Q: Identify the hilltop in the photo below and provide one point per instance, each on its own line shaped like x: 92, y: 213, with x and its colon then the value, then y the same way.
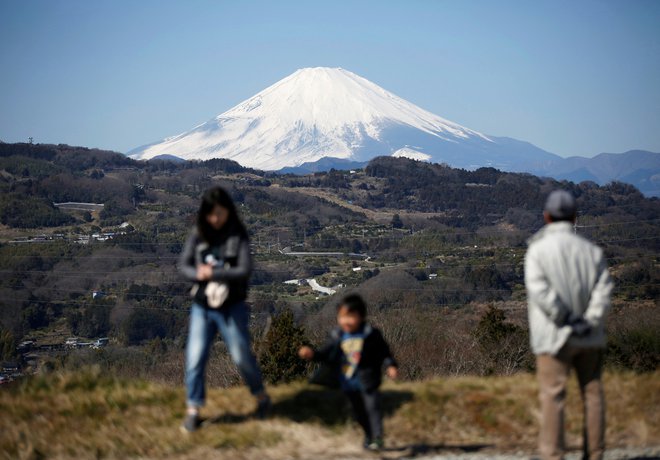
x: 88, y: 414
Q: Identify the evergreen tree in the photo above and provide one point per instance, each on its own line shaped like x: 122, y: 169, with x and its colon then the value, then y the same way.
x: 505, y: 345
x: 278, y: 358
x: 7, y: 350
x: 396, y: 221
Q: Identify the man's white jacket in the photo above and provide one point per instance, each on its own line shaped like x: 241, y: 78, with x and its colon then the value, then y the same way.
x: 566, y: 278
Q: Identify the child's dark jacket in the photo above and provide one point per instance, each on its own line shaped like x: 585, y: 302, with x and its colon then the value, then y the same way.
x: 375, y: 354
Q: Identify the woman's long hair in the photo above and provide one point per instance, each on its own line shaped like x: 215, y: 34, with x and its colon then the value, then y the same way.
x: 212, y: 197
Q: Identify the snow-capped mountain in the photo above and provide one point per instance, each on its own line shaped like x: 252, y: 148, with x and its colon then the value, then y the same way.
x: 321, y: 112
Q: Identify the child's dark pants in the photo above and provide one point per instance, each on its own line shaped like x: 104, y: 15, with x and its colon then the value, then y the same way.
x: 366, y: 407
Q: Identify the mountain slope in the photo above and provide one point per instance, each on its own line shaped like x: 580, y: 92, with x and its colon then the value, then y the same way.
x: 324, y: 112
x: 319, y: 118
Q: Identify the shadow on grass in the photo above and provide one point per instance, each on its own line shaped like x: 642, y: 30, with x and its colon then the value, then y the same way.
x: 331, y: 407
x: 227, y: 418
x: 416, y: 450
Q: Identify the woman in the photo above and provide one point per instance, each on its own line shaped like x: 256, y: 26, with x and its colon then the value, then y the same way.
x: 216, y: 258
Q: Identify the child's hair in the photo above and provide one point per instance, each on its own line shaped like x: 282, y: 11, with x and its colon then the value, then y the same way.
x: 212, y: 197
x: 354, y: 303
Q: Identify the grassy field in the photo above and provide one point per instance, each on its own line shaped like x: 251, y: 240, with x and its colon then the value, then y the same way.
x: 89, y: 415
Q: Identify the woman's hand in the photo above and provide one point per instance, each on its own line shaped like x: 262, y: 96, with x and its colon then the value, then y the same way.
x: 204, y: 272
x: 392, y: 372
x: 306, y: 353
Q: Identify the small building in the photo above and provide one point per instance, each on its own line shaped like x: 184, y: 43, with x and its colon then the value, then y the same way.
x: 100, y: 343
x: 25, y: 346
x: 9, y: 367
x: 295, y: 282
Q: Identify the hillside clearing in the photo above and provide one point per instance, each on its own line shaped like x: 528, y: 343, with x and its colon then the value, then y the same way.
x: 88, y: 415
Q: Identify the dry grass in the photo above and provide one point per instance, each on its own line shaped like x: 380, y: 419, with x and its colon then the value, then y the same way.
x: 88, y: 415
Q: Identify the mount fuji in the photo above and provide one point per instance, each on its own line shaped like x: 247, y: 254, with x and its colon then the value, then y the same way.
x: 321, y: 118
x: 321, y: 113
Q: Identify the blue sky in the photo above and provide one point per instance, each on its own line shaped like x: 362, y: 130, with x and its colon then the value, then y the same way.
x: 574, y: 78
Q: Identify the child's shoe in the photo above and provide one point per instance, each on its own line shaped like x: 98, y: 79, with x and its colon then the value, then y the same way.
x: 264, y: 405
x: 375, y: 445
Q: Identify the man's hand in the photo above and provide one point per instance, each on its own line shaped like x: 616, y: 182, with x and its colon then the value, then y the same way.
x: 204, y: 272
x: 392, y: 372
x: 306, y: 353
x: 581, y: 327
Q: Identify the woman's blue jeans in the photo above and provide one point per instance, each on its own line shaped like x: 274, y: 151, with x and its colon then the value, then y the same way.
x: 232, y: 322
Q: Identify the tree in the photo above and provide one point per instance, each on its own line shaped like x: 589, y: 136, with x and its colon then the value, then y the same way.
x: 396, y: 221
x: 492, y: 328
x: 7, y: 350
x: 35, y: 316
x: 279, y: 350
x: 505, y: 345
x: 149, y: 322
x: 93, y: 319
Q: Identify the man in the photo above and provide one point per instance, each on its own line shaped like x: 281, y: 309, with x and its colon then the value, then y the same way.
x: 568, y: 292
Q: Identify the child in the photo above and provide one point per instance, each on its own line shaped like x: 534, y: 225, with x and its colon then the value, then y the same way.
x: 216, y: 259
x: 353, y: 358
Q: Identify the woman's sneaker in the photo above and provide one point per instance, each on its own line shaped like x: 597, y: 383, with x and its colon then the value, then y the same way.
x: 190, y: 423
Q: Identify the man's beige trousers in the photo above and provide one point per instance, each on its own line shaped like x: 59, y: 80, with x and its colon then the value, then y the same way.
x: 552, y: 373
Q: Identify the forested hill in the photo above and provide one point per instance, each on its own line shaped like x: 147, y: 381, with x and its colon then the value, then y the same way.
x: 33, y: 177
x: 475, y: 198
x: 464, y: 198
x: 83, y: 158
x: 421, y: 195
x: 75, y: 158
x: 446, y: 243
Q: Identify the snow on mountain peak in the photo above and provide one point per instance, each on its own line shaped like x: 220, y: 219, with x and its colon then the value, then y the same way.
x: 313, y: 113
x: 411, y: 154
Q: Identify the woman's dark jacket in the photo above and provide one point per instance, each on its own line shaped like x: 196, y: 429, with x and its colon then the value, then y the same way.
x: 232, y: 249
x: 375, y: 354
